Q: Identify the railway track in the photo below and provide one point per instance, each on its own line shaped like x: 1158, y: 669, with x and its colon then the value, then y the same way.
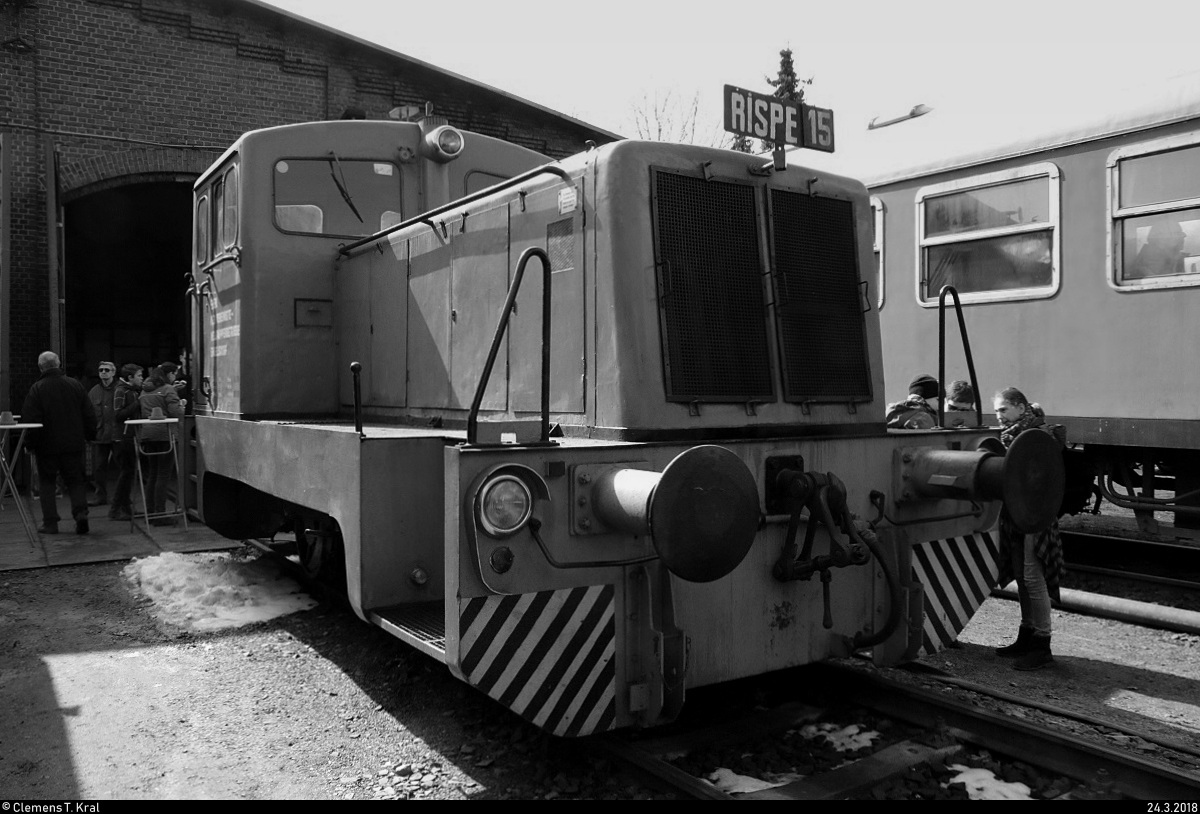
x: 937, y: 733
x: 1163, y: 563
x: 933, y: 737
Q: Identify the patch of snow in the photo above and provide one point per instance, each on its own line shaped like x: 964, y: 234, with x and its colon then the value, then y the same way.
x: 214, y: 591
x: 843, y: 739
x: 982, y: 784
x: 731, y: 782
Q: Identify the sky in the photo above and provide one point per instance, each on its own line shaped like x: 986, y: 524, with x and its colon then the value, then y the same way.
x: 867, y: 59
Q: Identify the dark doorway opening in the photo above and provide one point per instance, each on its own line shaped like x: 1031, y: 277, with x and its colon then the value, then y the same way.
x: 127, y: 251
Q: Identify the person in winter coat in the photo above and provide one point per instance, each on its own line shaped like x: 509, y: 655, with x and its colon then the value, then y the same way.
x: 915, y: 412
x: 159, y: 391
x: 102, y: 397
x: 127, y: 402
x: 1034, y: 560
x: 61, y: 405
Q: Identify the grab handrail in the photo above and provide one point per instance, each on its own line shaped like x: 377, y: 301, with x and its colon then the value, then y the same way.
x: 962, y: 332
x: 427, y: 217
x: 473, y: 418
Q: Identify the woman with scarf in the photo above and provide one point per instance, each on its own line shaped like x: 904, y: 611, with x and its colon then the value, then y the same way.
x: 159, y: 391
x: 1034, y: 560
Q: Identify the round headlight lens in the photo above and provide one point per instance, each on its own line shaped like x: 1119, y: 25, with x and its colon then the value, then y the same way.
x: 450, y: 141
x: 505, y: 504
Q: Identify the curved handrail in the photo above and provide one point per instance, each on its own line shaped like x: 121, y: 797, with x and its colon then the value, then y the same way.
x: 473, y: 418
x: 962, y: 332
x: 427, y: 217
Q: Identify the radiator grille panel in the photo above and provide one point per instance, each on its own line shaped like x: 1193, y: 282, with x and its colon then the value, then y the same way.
x: 560, y: 244
x: 711, y: 301
x: 822, y: 334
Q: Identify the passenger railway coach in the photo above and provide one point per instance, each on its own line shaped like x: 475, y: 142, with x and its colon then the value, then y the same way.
x: 1076, y: 255
x: 592, y: 432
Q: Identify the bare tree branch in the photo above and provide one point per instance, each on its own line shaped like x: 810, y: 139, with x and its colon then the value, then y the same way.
x: 664, y: 115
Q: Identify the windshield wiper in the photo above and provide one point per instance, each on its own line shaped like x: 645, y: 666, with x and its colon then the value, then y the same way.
x: 341, y: 185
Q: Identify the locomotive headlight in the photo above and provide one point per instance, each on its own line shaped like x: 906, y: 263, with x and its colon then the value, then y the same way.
x: 505, y: 504
x: 444, y: 143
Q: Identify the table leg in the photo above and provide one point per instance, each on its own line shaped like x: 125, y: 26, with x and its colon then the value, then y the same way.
x: 9, y: 484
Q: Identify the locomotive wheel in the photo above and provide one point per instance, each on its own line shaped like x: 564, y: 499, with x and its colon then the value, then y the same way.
x: 319, y: 547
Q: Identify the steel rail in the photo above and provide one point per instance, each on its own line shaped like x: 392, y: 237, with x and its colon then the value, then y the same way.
x: 1138, y: 576
x: 1132, y: 776
x: 954, y: 723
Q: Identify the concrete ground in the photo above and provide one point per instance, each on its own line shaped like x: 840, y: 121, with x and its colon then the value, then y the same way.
x: 107, y: 540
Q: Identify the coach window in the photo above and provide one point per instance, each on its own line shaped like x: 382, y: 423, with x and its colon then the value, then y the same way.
x: 994, y: 237
x: 877, y: 241
x: 1154, y: 206
x: 336, y: 196
x: 201, y: 236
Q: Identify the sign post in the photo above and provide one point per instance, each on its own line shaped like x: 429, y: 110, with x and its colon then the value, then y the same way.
x: 780, y: 121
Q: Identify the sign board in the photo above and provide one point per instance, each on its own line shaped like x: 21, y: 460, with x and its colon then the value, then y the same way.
x: 758, y: 115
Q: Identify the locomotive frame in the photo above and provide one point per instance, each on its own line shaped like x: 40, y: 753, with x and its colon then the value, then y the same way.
x: 659, y: 464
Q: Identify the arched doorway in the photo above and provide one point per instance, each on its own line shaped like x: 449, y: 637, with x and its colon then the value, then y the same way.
x: 126, y: 253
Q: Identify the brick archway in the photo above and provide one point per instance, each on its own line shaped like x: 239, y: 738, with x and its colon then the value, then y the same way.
x: 132, y: 166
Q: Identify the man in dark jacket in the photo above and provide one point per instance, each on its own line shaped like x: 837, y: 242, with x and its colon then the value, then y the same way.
x: 103, y: 398
x: 62, y: 407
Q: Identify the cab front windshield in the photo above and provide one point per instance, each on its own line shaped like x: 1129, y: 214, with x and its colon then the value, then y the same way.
x: 336, y: 196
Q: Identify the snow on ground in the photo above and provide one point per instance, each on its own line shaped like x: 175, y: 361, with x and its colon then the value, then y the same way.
x: 842, y: 739
x: 982, y: 784
x: 214, y: 591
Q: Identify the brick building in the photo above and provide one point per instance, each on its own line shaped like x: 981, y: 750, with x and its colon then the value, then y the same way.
x: 109, y: 110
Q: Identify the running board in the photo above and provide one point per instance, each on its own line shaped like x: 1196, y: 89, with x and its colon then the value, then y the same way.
x: 422, y: 625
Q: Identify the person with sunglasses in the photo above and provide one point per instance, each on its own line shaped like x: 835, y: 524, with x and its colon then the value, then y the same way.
x: 103, y: 398
x: 960, y: 401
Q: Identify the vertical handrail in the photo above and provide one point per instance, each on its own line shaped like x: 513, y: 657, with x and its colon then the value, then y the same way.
x: 962, y: 332
x: 356, y: 373
x: 501, y: 327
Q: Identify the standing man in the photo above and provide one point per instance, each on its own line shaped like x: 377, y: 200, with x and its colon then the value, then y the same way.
x: 62, y: 407
x: 103, y: 397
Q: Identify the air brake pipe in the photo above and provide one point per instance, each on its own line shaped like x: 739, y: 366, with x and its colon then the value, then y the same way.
x: 1146, y: 614
x: 1148, y: 504
x: 872, y: 542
